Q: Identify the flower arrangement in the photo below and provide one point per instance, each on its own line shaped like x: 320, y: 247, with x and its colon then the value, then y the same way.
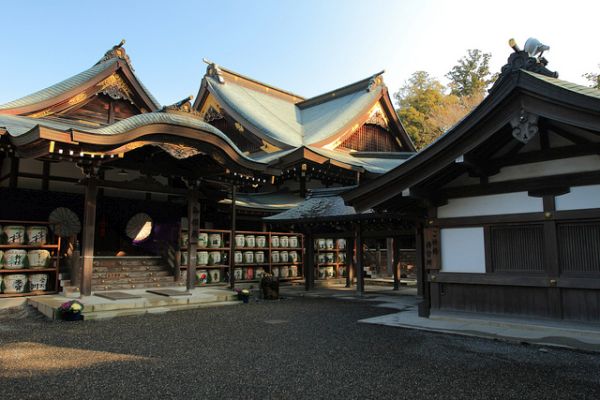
x: 71, y: 311
x: 243, y: 294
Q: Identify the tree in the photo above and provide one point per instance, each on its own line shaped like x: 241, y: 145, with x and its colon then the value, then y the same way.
x: 419, y: 99
x: 471, y: 76
x: 593, y: 79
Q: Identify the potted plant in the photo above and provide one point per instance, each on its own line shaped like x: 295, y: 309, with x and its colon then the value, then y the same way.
x: 243, y: 295
x: 71, y: 311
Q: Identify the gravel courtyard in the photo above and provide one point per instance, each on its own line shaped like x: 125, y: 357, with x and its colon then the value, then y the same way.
x: 298, y: 348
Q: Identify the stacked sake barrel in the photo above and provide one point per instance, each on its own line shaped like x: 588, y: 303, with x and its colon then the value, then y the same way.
x: 26, y: 263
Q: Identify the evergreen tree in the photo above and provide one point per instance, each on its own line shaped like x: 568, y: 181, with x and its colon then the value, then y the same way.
x: 471, y: 76
x: 593, y: 78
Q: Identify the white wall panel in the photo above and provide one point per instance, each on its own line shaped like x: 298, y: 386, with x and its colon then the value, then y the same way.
x: 506, y: 203
x: 463, y: 250
x: 580, y: 198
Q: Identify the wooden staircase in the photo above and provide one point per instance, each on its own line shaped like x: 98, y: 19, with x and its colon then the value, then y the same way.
x: 118, y: 273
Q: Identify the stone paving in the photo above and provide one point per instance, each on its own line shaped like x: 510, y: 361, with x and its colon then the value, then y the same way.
x: 296, y: 348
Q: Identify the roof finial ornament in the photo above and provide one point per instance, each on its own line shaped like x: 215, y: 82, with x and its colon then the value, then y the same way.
x: 528, y: 59
x: 117, y: 51
x: 182, y: 106
x: 214, y: 70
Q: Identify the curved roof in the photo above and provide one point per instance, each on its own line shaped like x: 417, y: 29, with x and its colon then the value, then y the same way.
x: 60, y: 87
x: 288, y: 120
x: 91, y: 76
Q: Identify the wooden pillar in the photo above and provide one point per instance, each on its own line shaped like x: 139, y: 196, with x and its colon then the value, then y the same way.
x: 350, y: 264
x: 360, y: 272
x: 551, y: 256
x: 193, y: 227
x: 309, y: 261
x: 422, y: 284
x: 396, y: 262
x: 232, y: 237
x: 46, y: 175
x: 14, y: 172
x: 88, y: 234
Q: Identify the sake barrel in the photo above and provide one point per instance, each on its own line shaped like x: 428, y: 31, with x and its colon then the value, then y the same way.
x: 184, y: 258
x: 15, y: 283
x: 38, y: 258
x: 260, y: 272
x: 330, y: 257
x: 248, y: 273
x: 342, y: 271
x: 238, y: 257
x: 329, y: 244
x: 202, y: 257
x: 238, y: 274
x: 321, y: 258
x: 274, y: 241
x: 185, y: 239
x: 202, y: 276
x: 293, y: 256
x: 275, y: 256
x: 322, y: 244
x: 342, y: 257
x: 341, y: 244
x: 283, y: 256
x: 293, y: 271
x: 38, y: 282
x: 322, y: 272
x: 284, y: 272
x: 37, y: 234
x: 250, y: 241
x: 1, y: 261
x: 214, y: 240
x: 214, y: 257
x: 214, y: 276
x: 261, y: 241
x: 1, y: 280
x: 240, y: 241
x: 15, y: 234
x: 294, y: 241
x: 15, y: 258
x: 203, y: 240
x: 284, y: 241
x: 259, y: 257
x: 248, y: 257
x: 330, y: 272
x: 275, y: 272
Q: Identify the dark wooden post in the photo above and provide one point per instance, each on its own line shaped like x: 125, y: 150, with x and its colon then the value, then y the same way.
x: 309, y: 261
x: 350, y: 265
x: 88, y: 234
x: 422, y: 284
x: 14, y: 172
x: 232, y: 238
x: 396, y: 262
x: 193, y: 227
x: 360, y: 272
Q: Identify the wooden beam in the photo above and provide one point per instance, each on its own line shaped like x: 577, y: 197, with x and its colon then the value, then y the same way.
x: 576, y: 139
x: 88, y: 235
x: 360, y: 272
x: 422, y: 281
x: 395, y: 248
x: 46, y: 175
x: 350, y: 264
x: 193, y: 227
x: 232, y: 237
x: 14, y: 172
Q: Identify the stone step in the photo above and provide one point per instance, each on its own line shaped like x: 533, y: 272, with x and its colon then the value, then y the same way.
x: 130, y: 274
x: 138, y: 285
x: 154, y: 310
x: 139, y: 279
x: 126, y: 261
x: 130, y: 268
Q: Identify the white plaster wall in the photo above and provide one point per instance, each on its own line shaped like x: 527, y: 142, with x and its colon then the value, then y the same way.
x: 548, y: 168
x: 463, y: 250
x: 506, y: 203
x: 580, y: 198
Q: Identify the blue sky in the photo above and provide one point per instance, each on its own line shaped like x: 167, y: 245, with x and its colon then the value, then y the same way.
x: 307, y: 47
